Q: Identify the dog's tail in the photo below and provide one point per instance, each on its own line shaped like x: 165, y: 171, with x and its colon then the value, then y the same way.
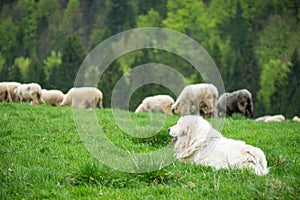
x: 257, y: 161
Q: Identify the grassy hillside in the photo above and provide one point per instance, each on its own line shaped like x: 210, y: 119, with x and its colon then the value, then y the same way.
x: 42, y: 157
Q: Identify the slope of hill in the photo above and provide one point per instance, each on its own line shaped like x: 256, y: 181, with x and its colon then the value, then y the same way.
x: 43, y: 157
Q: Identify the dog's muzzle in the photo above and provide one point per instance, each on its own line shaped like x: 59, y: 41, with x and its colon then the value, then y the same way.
x: 174, y: 138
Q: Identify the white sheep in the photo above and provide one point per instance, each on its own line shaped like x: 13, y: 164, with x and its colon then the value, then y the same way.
x: 195, y: 98
x: 4, y: 93
x: 296, y: 119
x: 239, y: 101
x: 157, y: 103
x: 31, y: 92
x: 271, y: 118
x: 83, y: 97
x: 52, y: 97
x: 12, y: 88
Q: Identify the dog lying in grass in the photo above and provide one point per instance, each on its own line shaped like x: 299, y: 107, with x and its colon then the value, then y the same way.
x: 196, y: 141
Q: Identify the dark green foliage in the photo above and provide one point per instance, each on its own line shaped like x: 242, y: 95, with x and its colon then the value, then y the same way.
x: 29, y: 27
x: 293, y: 89
x: 72, y: 57
x: 108, y: 80
x: 246, y: 69
x: 238, y: 30
x: 9, y: 40
x: 36, y: 72
x: 286, y: 98
x: 121, y: 16
x: 14, y: 74
x: 4, y: 73
x: 159, y: 6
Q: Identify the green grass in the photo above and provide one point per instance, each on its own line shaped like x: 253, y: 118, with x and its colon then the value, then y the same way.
x: 43, y: 157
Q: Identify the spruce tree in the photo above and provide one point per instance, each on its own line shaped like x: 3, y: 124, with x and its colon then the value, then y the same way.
x: 72, y: 57
x: 36, y: 71
x: 15, y: 74
x: 293, y: 91
x: 121, y: 16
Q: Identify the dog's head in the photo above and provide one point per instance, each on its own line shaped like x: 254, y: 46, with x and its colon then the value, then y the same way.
x: 189, y: 134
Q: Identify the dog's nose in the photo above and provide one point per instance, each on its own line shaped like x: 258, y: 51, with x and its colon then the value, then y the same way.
x: 169, y: 130
x: 173, y: 111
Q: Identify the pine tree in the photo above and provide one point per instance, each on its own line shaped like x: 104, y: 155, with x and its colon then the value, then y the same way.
x: 238, y: 30
x: 121, y: 16
x: 293, y: 91
x: 246, y: 71
x: 8, y: 40
x: 4, y: 73
x: 15, y: 74
x: 72, y: 57
x: 108, y: 81
x: 285, y: 99
x: 35, y: 71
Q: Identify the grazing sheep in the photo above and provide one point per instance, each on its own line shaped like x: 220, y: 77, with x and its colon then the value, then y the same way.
x: 31, y: 92
x: 296, y: 119
x: 269, y: 118
x: 239, y: 101
x: 52, y: 97
x: 12, y: 88
x: 83, y: 97
x: 158, y: 103
x: 196, y: 98
x: 4, y: 93
x: 263, y: 118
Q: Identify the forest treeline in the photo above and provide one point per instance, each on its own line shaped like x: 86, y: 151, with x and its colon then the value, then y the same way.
x: 255, y: 44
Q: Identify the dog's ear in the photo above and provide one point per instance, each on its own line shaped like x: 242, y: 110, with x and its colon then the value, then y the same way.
x: 189, y: 151
x: 186, y: 130
x: 191, y: 144
x: 196, y: 139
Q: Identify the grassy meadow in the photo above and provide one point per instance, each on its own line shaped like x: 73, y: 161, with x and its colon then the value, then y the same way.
x: 43, y: 157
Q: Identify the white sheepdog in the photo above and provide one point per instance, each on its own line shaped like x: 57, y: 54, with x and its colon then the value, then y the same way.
x: 196, y: 141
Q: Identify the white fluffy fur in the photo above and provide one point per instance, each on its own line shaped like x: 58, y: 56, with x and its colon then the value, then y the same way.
x: 195, y: 98
x: 196, y: 141
x: 296, y: 119
x: 31, y: 92
x: 12, y: 90
x: 83, y: 97
x: 4, y: 93
x: 269, y: 118
x: 157, y: 103
x: 53, y: 97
